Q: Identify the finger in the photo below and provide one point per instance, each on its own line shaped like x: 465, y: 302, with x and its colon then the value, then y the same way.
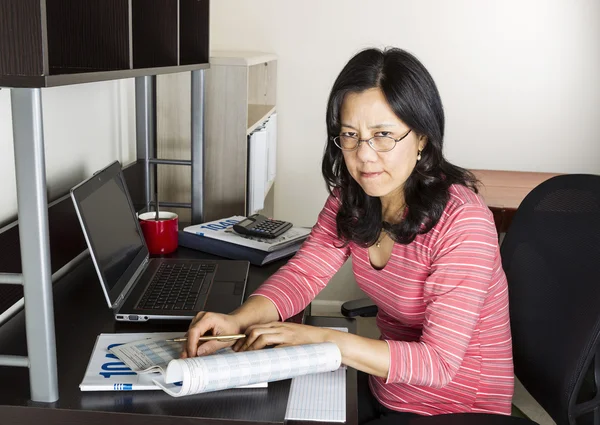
x: 266, y: 339
x: 210, y: 347
x: 255, y: 334
x: 205, y: 323
x: 238, y: 344
x: 195, y: 320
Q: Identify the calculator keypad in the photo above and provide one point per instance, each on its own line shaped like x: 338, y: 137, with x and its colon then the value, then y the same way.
x: 269, y: 226
x: 262, y: 226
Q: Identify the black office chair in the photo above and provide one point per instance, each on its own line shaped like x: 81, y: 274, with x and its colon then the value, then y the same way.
x: 551, y: 256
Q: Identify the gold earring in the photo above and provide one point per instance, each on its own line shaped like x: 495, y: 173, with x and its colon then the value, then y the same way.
x: 419, y: 155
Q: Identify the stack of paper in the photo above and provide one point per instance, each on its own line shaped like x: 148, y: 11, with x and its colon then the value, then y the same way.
x: 217, y: 237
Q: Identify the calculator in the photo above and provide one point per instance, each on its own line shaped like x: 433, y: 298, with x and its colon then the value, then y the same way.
x: 261, y: 226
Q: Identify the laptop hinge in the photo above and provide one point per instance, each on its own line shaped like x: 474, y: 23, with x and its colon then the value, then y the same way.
x: 131, y: 282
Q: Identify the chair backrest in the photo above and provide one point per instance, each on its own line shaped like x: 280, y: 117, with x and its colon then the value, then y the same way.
x: 551, y: 256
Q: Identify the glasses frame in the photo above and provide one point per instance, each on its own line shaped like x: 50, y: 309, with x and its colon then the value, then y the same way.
x: 336, y: 140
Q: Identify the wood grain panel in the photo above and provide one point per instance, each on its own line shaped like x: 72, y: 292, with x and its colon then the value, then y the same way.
x: 87, y: 35
x: 173, y: 112
x: 506, y: 189
x: 155, y: 33
x: 194, y: 31
x: 262, y: 83
x: 20, y: 38
x: 226, y: 142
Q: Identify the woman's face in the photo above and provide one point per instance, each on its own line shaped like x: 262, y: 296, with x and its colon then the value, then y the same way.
x: 382, y: 174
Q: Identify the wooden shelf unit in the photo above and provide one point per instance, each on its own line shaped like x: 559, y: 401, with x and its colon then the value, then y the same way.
x: 258, y: 114
x: 240, y: 96
x: 46, y: 43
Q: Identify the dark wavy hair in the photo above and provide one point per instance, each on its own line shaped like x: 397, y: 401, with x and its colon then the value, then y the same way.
x: 413, y: 96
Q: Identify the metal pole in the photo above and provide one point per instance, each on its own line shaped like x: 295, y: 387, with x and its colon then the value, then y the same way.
x: 11, y: 278
x: 171, y: 162
x: 18, y: 306
x: 197, y: 142
x: 16, y: 361
x: 145, y: 125
x: 32, y: 205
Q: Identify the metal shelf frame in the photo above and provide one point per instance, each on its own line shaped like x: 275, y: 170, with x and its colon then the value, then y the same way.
x: 32, y: 205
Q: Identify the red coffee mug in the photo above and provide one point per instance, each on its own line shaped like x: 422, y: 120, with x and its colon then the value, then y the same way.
x: 161, y: 234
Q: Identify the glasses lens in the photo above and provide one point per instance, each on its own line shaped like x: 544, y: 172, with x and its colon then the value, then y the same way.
x: 383, y: 143
x: 346, y: 142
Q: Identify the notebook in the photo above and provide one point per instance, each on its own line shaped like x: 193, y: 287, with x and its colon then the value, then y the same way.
x: 137, y: 287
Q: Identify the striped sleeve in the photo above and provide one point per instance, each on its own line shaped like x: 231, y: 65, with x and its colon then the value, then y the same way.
x: 298, y: 282
x: 462, y: 260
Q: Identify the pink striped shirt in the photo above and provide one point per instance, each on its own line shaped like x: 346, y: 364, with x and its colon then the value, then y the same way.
x: 443, y: 308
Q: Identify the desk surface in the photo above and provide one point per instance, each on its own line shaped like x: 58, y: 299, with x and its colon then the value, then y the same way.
x: 506, y: 189
x: 81, y: 314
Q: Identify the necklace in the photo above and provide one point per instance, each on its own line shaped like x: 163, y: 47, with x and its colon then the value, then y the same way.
x: 384, y: 232
x: 378, y: 243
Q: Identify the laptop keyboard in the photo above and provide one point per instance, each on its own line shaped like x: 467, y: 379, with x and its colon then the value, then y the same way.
x: 176, y: 286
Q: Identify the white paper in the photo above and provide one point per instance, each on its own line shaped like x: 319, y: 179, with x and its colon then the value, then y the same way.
x: 318, y: 397
x: 257, y: 170
x: 271, y: 127
x: 222, y: 229
x: 148, y: 355
x: 105, y: 372
x: 219, y: 372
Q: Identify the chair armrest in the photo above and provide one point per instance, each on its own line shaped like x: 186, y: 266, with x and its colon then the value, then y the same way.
x: 363, y: 307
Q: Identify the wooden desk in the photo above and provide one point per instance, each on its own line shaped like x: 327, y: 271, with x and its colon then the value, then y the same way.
x: 81, y: 314
x: 503, y: 191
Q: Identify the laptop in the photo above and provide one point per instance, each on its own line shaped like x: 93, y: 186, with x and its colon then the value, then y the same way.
x: 137, y: 287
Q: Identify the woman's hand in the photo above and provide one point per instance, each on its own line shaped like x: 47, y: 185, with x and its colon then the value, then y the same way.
x: 281, y: 334
x: 211, y: 324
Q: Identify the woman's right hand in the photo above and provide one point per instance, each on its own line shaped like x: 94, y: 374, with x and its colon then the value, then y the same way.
x: 212, y: 324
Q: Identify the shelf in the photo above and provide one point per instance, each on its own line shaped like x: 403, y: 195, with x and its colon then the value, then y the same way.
x: 91, y: 77
x: 154, y: 33
x: 269, y: 187
x: 257, y: 114
x: 240, y: 58
x: 47, y: 43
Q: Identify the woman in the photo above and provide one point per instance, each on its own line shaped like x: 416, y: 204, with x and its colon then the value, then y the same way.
x: 424, y: 248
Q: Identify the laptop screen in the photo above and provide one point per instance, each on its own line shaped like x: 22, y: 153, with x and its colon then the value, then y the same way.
x: 111, y: 228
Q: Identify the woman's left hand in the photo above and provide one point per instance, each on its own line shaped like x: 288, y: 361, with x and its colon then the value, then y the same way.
x: 279, y: 333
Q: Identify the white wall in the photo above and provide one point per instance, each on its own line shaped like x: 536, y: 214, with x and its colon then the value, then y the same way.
x: 86, y: 127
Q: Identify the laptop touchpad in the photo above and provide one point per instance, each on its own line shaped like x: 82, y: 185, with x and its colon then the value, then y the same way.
x: 232, y: 271
x: 221, y: 297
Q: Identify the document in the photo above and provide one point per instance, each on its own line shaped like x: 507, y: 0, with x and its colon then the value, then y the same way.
x: 223, y: 370
x: 319, y: 397
x: 222, y: 230
x: 105, y: 372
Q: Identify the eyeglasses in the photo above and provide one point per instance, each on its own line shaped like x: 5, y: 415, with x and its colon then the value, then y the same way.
x: 377, y: 143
